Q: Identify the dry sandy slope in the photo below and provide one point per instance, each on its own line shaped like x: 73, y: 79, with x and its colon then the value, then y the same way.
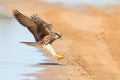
x: 90, y: 45
x: 90, y: 41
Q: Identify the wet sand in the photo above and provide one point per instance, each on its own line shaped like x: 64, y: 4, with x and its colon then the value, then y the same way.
x: 90, y: 41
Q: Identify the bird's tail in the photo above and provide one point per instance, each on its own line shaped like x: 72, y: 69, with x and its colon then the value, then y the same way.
x: 30, y: 43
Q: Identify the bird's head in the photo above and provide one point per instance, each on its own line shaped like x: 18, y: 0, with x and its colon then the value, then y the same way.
x: 58, y: 35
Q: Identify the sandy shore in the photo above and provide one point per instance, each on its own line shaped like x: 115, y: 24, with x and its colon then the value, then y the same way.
x: 90, y: 41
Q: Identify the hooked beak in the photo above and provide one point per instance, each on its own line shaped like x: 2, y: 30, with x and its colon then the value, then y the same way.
x: 61, y: 38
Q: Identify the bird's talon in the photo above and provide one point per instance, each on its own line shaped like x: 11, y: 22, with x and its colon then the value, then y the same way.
x: 59, y: 57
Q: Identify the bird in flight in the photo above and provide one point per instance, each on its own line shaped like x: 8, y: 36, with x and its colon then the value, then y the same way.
x: 41, y: 30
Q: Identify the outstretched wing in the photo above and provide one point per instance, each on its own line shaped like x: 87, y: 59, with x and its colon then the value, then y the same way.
x: 43, y: 27
x: 35, y: 25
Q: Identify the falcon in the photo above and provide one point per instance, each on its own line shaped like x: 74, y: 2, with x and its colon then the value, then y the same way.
x: 41, y: 30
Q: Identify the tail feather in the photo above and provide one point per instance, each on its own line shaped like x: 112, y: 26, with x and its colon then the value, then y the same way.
x: 30, y: 43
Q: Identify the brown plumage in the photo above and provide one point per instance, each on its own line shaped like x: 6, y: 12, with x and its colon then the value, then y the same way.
x: 41, y: 30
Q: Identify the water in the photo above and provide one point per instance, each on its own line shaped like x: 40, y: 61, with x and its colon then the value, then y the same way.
x: 74, y: 3
x: 15, y: 58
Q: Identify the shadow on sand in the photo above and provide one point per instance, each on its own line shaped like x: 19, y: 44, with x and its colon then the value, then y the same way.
x: 49, y: 63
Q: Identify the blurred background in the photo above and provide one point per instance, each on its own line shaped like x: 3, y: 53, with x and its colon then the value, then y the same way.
x: 93, y: 24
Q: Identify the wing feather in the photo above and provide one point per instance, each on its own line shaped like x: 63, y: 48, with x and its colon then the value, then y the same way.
x: 27, y: 22
x: 44, y: 26
x: 35, y: 25
x: 24, y: 20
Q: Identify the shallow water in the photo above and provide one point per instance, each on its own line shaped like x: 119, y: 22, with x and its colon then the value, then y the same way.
x: 15, y: 58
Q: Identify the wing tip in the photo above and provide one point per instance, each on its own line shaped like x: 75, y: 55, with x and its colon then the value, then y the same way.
x: 15, y: 12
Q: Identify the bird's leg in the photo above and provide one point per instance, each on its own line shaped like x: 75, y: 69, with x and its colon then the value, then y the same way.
x: 53, y: 53
x: 51, y: 50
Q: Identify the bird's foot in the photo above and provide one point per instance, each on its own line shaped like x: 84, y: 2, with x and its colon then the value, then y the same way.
x: 59, y: 57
